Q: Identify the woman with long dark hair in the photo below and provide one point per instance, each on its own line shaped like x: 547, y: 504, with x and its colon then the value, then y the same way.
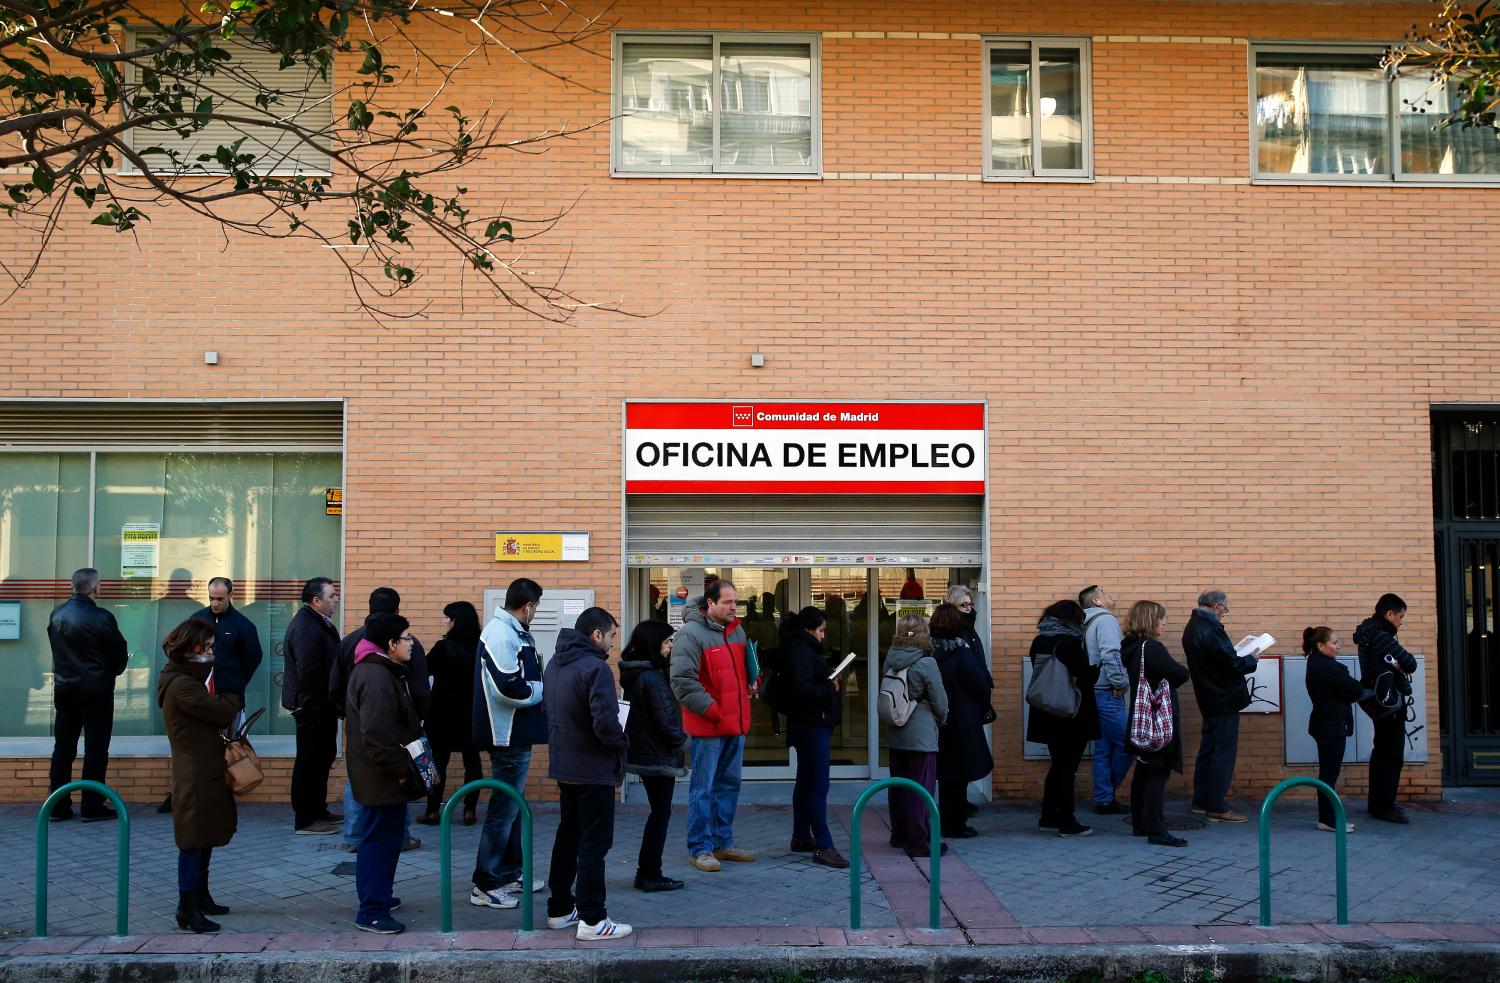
x: 657, y: 741
x: 1060, y: 635
x: 203, y: 813
x: 450, y: 724
x: 810, y: 702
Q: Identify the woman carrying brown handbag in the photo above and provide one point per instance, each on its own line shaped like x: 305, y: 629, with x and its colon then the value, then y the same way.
x: 203, y: 813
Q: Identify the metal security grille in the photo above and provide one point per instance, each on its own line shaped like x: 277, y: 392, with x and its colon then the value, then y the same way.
x: 201, y: 425
x: 1469, y: 445
x: 855, y: 530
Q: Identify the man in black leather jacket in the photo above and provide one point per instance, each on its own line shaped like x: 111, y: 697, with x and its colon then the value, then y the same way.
x: 88, y: 652
x: 1219, y: 686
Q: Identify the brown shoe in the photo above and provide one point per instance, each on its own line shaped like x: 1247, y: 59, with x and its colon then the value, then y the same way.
x: 470, y: 816
x: 1229, y: 816
x: 830, y: 857
x: 735, y: 855
x: 430, y: 818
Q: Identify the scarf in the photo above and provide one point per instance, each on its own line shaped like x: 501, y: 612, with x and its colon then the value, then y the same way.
x: 1054, y: 627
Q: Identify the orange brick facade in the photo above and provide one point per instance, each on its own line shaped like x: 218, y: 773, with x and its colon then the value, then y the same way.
x: 1193, y: 381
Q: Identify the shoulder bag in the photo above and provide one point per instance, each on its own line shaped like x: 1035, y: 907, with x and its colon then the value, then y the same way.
x: 1052, y: 688
x: 242, y: 771
x: 1151, y: 717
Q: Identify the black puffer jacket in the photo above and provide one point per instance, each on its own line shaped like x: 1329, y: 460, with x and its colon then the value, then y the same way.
x: 807, y: 694
x: 655, y: 724
x: 237, y: 652
x: 1218, y: 673
x: 585, y: 740
x: 88, y: 650
x: 1376, y: 638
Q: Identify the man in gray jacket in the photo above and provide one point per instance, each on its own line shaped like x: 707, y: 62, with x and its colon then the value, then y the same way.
x: 1101, y: 638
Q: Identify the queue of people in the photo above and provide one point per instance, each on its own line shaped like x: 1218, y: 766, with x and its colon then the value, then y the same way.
x: 688, y: 701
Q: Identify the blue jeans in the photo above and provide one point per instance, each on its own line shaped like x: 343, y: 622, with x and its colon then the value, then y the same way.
x: 375, y: 864
x: 354, y: 820
x: 192, y: 869
x: 713, y: 792
x: 810, y: 793
x: 499, y: 859
x: 1111, y: 754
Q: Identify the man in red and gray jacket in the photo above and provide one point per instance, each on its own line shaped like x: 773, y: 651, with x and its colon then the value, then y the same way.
x: 710, y: 679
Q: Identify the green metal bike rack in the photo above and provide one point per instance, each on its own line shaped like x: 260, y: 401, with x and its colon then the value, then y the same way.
x: 445, y: 849
x: 935, y: 850
x: 1341, y: 860
x: 122, y: 855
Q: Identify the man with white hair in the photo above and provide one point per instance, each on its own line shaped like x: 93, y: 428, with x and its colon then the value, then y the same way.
x: 88, y: 653
x: 1219, y: 686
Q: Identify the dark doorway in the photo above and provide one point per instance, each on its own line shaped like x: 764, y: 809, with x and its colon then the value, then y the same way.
x: 1466, y: 506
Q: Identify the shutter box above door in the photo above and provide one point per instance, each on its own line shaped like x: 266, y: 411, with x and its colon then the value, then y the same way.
x: 804, y: 530
x: 104, y: 424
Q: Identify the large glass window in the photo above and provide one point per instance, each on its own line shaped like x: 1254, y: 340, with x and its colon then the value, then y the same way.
x: 716, y: 103
x: 1036, y: 96
x: 163, y: 524
x: 1336, y: 115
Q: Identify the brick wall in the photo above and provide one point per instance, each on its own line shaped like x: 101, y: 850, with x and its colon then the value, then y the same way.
x: 1193, y: 381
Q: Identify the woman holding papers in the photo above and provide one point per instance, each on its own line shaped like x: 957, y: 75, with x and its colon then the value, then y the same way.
x: 1148, y: 789
x: 810, y: 701
x: 379, y: 722
x: 963, y: 755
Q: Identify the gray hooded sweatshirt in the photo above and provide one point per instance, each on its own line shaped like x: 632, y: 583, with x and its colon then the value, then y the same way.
x: 925, y: 684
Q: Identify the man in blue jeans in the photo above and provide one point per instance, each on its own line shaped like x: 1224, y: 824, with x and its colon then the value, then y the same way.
x: 509, y: 717
x: 1101, y: 637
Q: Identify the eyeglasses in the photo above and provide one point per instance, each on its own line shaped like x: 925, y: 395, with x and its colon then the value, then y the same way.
x: 408, y: 638
x: 966, y: 605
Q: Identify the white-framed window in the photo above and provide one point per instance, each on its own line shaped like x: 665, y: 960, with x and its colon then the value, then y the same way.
x: 1038, y: 110
x: 303, y: 96
x: 1321, y: 113
x: 716, y: 104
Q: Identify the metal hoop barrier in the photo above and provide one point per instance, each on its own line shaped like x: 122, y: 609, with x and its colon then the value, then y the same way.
x: 122, y: 855
x: 445, y: 849
x: 1341, y: 862
x: 934, y: 850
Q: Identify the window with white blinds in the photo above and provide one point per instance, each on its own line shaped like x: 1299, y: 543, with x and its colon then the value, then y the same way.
x: 304, y: 98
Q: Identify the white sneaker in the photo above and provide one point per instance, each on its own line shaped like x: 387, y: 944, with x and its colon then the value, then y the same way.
x: 1329, y: 827
x: 607, y: 929
x: 538, y: 885
x: 565, y: 921
x: 492, y: 899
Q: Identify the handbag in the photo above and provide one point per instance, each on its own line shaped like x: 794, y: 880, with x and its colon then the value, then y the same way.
x: 1151, y: 716
x: 242, y: 771
x: 1052, y: 689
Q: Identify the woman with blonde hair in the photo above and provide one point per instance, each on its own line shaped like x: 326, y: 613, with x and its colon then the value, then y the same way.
x: 1148, y: 789
x: 914, y: 744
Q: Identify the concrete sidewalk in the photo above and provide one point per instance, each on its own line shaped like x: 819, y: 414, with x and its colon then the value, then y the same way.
x: 1009, y: 885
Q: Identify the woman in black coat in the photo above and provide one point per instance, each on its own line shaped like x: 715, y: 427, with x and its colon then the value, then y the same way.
x: 963, y: 755
x: 1148, y: 789
x: 1333, y: 691
x: 657, y: 740
x: 810, y: 702
x: 1060, y: 633
x: 450, y: 723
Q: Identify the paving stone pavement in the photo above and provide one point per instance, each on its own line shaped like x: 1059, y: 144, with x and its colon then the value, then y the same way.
x: 1008, y: 885
x: 276, y: 881
x: 1444, y: 867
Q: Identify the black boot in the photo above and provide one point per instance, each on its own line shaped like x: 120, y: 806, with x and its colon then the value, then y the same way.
x: 166, y: 804
x: 190, y: 916
x: 206, y: 901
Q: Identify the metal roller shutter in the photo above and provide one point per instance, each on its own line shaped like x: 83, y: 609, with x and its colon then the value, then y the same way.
x: 855, y: 530
x: 314, y: 425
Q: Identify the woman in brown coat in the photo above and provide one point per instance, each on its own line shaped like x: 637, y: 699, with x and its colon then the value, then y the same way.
x: 203, y: 814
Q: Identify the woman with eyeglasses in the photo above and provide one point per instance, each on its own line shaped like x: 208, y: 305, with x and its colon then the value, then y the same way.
x: 204, y: 814
x: 380, y: 720
x: 963, y: 755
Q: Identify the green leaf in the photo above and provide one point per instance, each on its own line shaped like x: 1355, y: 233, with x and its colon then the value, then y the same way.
x: 499, y: 228
x: 43, y: 181
x: 205, y: 107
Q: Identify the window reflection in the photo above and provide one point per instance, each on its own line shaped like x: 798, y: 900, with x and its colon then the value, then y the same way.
x: 766, y: 112
x: 667, y: 105
x: 1450, y: 150
x: 1010, y: 109
x: 1323, y: 114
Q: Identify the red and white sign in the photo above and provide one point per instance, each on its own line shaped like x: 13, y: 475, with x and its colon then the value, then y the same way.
x: 805, y: 448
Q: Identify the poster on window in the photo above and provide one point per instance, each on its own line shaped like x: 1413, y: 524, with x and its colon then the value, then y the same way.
x: 140, y: 550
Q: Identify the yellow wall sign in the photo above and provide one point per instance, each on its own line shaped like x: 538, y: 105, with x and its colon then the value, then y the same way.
x: 333, y: 501
x: 541, y: 546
